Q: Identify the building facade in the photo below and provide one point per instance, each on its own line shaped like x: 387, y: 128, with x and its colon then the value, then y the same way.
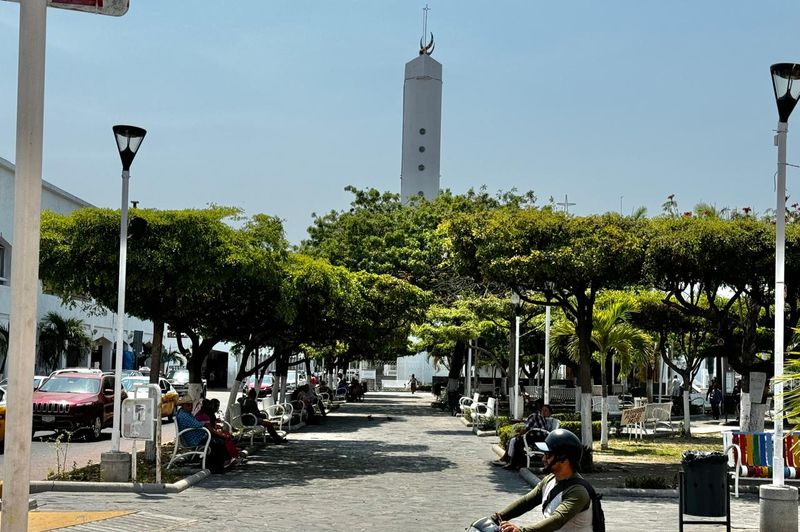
x: 100, y: 327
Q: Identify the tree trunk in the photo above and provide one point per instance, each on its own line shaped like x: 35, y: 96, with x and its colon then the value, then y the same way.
x: 583, y: 329
x: 155, y: 373
x: 687, y: 414
x: 604, y: 408
x: 752, y: 414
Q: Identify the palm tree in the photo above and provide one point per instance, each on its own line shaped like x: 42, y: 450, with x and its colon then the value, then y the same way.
x: 612, y: 336
x: 58, y: 334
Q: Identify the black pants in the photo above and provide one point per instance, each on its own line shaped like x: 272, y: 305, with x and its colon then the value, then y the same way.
x: 715, y: 410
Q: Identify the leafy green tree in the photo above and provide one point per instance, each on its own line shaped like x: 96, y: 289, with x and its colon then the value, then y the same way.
x: 683, y: 341
x: 720, y: 271
x: 58, y: 335
x: 612, y: 336
x: 567, y: 259
x: 181, y: 265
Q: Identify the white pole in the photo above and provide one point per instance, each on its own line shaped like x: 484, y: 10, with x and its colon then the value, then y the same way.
x: 468, y: 372
x: 517, y: 396
x: 24, y: 264
x: 123, y: 258
x: 780, y: 227
x: 547, y: 355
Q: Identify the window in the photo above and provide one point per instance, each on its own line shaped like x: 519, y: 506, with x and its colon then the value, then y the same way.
x: 421, y: 167
x: 422, y: 131
x: 422, y: 149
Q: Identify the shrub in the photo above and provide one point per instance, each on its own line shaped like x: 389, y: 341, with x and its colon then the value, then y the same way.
x: 575, y: 428
x: 489, y: 423
x: 502, y: 421
x: 648, y: 482
x: 575, y: 416
x: 506, y: 432
x: 468, y: 415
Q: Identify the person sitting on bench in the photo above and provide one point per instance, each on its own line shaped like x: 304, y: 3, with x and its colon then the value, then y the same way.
x: 538, y: 423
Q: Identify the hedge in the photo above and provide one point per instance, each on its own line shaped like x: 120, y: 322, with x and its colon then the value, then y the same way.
x: 575, y: 428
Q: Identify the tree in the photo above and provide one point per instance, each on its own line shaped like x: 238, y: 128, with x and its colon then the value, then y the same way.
x: 567, y: 259
x: 181, y: 265
x: 683, y: 341
x: 612, y: 336
x: 58, y: 335
x: 720, y: 271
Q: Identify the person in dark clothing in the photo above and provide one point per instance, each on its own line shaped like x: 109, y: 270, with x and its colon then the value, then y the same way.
x: 537, y: 424
x: 250, y: 406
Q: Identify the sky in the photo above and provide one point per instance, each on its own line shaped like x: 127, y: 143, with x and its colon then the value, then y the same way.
x: 275, y: 107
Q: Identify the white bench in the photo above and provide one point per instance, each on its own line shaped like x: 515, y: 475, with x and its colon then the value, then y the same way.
x: 465, y: 403
x: 182, y: 450
x: 241, y: 430
x: 387, y: 385
x: 482, y: 412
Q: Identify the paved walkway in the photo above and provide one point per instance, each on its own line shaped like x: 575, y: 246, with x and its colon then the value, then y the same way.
x: 389, y: 464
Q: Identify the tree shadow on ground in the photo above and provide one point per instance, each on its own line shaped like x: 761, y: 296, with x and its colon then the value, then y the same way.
x: 300, y: 463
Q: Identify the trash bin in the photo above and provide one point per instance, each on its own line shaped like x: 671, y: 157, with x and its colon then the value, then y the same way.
x: 705, y: 483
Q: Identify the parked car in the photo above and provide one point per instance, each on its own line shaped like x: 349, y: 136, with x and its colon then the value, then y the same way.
x: 37, y: 381
x: 264, y: 390
x: 179, y: 378
x: 131, y: 373
x: 169, y: 397
x: 75, y: 401
x: 90, y: 371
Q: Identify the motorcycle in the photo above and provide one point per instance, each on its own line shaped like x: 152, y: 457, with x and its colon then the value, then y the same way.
x: 486, y: 524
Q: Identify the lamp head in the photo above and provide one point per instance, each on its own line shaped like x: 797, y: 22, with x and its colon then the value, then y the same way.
x: 128, y: 138
x: 786, y: 83
x: 515, y: 299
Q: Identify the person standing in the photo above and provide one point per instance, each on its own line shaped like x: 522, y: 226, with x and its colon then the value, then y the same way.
x: 413, y: 383
x: 565, y: 496
x: 676, y: 391
x: 715, y: 398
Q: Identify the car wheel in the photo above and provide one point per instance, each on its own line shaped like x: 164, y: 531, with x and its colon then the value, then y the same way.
x: 95, y: 429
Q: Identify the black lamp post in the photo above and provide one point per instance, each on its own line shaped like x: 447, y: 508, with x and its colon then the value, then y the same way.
x: 129, y: 139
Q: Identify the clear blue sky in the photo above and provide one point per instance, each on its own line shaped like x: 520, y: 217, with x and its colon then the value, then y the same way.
x: 276, y: 106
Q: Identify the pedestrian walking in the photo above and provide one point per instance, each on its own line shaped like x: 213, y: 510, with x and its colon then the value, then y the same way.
x: 715, y: 398
x: 413, y: 383
x: 675, y: 393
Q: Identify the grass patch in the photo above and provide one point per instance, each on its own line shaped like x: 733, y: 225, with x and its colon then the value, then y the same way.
x: 651, y: 482
x: 145, y: 471
x: 657, y: 450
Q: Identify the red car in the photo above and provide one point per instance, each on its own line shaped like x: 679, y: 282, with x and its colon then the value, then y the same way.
x: 266, y: 385
x: 75, y: 402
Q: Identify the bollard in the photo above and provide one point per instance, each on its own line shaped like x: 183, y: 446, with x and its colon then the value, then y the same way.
x: 115, y: 467
x: 777, y: 508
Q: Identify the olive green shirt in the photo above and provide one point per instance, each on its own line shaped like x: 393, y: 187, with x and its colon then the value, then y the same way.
x: 574, y: 500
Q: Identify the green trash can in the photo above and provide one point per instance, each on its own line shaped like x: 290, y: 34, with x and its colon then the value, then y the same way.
x: 705, y: 485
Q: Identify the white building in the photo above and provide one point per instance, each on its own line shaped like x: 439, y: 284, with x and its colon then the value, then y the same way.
x: 422, y: 126
x: 100, y: 327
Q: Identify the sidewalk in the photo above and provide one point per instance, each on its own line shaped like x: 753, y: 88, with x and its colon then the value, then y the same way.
x: 407, y: 466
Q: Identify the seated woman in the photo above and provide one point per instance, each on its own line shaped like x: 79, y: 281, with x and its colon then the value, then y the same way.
x: 208, y: 417
x: 250, y: 406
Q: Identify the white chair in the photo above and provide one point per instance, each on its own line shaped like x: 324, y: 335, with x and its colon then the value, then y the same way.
x: 182, y: 450
x: 482, y: 412
x: 241, y: 430
x: 530, y: 448
x: 279, y: 414
x: 465, y: 403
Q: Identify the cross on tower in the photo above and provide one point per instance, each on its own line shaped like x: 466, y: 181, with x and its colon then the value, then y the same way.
x: 566, y: 204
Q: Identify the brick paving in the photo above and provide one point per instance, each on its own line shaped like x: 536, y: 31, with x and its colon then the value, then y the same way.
x: 389, y: 464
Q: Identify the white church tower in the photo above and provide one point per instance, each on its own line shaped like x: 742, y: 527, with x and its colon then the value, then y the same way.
x: 422, y: 123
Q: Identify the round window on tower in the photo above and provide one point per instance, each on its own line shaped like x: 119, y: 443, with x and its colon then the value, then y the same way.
x: 422, y: 149
x: 422, y: 131
x: 421, y: 167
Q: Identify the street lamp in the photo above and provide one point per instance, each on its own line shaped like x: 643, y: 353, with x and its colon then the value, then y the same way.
x: 517, y: 404
x: 786, y: 83
x: 128, y: 138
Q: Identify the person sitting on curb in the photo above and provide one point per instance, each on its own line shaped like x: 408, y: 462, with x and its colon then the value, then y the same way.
x: 218, y: 456
x: 250, y: 406
x: 565, y: 496
x: 537, y: 425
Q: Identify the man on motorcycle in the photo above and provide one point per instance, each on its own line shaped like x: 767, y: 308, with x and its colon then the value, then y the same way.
x: 566, y: 502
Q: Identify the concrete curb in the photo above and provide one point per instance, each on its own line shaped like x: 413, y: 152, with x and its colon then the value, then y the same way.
x: 485, y: 433
x: 40, y: 486
x: 465, y: 422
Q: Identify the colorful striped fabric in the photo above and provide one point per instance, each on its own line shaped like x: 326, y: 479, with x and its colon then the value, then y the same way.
x: 757, y: 453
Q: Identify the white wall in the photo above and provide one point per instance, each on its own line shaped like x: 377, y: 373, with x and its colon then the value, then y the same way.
x: 55, y: 199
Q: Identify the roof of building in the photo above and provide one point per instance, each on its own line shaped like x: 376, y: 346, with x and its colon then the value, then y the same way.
x: 46, y: 185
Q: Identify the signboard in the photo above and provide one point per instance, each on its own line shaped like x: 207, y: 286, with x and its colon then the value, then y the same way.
x: 137, y: 419
x: 115, y: 8
x: 757, y: 382
x: 368, y: 374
